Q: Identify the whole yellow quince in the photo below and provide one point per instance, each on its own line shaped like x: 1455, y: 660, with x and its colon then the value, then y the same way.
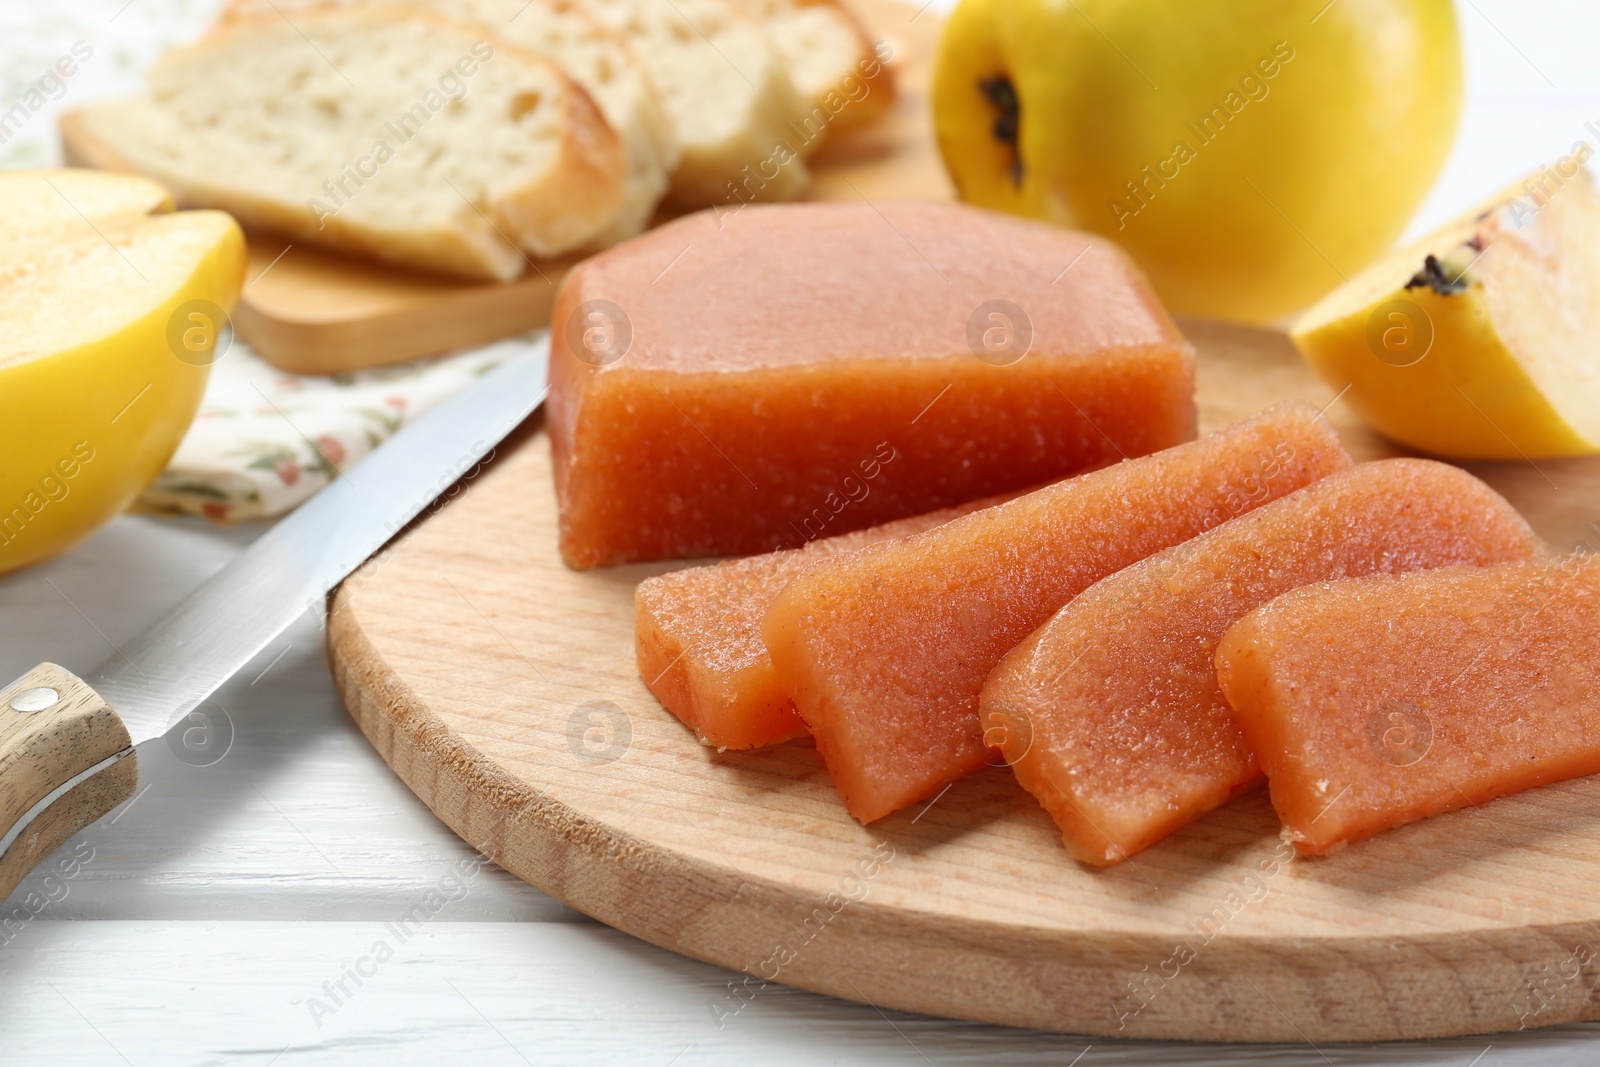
x: 1250, y: 154
x: 110, y: 309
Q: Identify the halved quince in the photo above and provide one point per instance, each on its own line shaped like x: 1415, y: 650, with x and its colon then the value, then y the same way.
x: 110, y: 307
x: 1479, y: 341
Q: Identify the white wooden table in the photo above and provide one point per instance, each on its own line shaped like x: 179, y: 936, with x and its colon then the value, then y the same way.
x: 213, y: 918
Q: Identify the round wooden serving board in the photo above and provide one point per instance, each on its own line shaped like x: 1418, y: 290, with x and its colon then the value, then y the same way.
x: 501, y: 687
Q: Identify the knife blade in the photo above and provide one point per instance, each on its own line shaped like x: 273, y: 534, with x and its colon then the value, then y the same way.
x: 67, y: 744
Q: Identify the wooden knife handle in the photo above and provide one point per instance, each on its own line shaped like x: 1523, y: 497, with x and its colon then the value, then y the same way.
x: 65, y: 760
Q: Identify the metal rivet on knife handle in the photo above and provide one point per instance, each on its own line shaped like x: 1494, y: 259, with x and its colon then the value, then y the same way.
x: 39, y: 698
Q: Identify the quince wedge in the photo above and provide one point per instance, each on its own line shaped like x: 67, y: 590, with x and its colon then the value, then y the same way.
x: 111, y: 305
x: 1479, y: 341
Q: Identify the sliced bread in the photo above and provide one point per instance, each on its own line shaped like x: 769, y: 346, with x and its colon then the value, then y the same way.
x: 843, y: 78
x: 727, y: 93
x: 408, y: 137
x: 573, y: 38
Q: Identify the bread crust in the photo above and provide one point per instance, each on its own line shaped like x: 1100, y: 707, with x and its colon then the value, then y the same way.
x: 881, y: 90
x: 747, y: 140
x: 880, y: 83
x: 577, y: 198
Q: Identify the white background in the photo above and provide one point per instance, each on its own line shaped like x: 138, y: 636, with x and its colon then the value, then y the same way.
x: 221, y: 899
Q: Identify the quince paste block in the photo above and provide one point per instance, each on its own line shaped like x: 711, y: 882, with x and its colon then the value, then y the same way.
x: 1111, y: 714
x: 697, y: 634
x: 884, y: 651
x: 738, y: 382
x: 1379, y: 701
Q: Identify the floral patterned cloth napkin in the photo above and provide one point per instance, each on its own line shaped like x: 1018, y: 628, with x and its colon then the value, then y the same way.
x: 264, y: 440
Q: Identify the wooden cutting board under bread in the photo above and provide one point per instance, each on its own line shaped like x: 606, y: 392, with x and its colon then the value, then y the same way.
x: 313, y: 311
x: 501, y: 686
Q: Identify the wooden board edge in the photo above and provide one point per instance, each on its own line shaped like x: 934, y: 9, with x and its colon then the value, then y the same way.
x: 345, y: 345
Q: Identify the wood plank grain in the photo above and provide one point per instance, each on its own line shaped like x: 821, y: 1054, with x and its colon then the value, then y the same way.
x: 510, y: 994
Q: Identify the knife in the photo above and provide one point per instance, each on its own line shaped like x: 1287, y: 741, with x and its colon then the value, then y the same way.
x: 67, y: 744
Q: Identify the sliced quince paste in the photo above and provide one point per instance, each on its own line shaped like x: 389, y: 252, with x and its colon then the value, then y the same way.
x: 738, y: 382
x: 1375, y: 702
x: 697, y: 634
x: 884, y: 651
x: 1118, y: 725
